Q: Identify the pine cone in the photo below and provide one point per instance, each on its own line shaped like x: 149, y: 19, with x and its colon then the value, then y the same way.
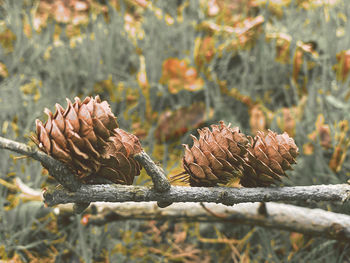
x: 216, y: 157
x: 225, y: 153
x: 85, y: 137
x: 268, y: 158
x: 120, y: 167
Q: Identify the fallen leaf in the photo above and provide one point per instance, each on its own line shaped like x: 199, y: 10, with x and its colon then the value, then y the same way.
x: 257, y: 119
x: 178, y: 75
x: 174, y: 124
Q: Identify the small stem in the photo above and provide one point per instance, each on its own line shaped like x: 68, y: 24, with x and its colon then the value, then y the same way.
x: 160, y: 182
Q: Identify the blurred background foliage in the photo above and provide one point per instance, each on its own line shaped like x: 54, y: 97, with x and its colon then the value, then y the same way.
x: 168, y: 68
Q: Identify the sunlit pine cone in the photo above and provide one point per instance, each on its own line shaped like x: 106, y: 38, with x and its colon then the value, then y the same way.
x: 216, y: 157
x: 85, y: 137
x: 268, y: 158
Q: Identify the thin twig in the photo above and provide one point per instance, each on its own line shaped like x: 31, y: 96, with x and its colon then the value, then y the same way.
x: 57, y: 169
x: 160, y: 182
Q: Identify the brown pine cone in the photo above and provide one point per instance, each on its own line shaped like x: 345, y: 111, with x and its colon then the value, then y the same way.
x: 119, y: 166
x: 85, y: 137
x: 225, y: 153
x: 268, y: 158
x: 216, y: 157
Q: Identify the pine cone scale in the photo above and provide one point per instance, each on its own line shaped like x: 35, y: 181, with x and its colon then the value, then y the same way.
x: 200, y: 158
x: 74, y: 148
x: 273, y: 154
x: 217, y: 150
x: 59, y: 119
x: 84, y: 115
x: 195, y: 170
x: 100, y: 129
x: 58, y: 135
x: 72, y: 117
x: 230, y: 158
x: 214, y: 163
x: 286, y: 165
x: 285, y: 154
x: 42, y: 136
x: 233, y: 147
x: 75, y: 139
x: 59, y: 153
x: 226, y: 166
x: 90, y: 148
x: 260, y: 154
x: 276, y: 167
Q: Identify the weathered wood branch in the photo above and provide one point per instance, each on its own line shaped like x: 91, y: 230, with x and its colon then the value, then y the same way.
x: 224, y: 195
x: 278, y: 216
x: 57, y: 169
x: 160, y: 182
x: 316, y: 222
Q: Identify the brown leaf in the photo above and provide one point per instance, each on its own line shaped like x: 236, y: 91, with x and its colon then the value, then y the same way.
x: 257, y: 119
x: 174, y: 124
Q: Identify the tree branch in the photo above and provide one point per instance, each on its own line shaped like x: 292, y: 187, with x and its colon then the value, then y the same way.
x: 57, y: 169
x: 278, y: 216
x: 224, y: 195
x: 68, y: 180
x: 316, y: 222
x: 74, y: 192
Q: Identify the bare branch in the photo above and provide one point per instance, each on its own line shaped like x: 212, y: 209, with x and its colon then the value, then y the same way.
x: 57, y: 169
x: 279, y: 216
x: 224, y: 195
x: 315, y: 222
x: 160, y: 182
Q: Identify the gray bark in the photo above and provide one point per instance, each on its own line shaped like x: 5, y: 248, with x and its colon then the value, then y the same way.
x: 57, y: 169
x: 316, y: 222
x: 280, y: 216
x: 224, y: 195
x: 160, y: 182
